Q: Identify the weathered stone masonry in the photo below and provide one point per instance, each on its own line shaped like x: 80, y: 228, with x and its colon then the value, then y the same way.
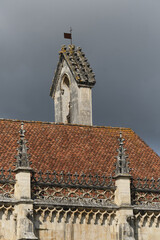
x: 70, y: 201
x: 72, y: 87
x: 60, y: 206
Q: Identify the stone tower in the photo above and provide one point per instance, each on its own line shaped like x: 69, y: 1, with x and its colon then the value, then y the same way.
x: 72, y: 87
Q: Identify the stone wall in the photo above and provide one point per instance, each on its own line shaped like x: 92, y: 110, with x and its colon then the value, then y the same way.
x: 78, y: 105
x: 75, y: 223
x: 7, y: 222
x: 76, y: 207
x: 147, y: 225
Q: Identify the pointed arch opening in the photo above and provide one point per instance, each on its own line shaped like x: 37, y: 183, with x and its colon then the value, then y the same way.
x: 65, y: 92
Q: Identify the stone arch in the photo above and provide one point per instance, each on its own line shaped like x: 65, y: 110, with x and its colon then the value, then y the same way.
x: 65, y: 94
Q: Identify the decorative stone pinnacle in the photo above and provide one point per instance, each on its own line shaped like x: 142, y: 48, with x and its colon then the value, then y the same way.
x: 122, y: 163
x: 71, y: 48
x: 63, y: 48
x: 22, y: 156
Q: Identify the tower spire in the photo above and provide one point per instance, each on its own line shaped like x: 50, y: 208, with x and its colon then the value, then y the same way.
x: 22, y: 156
x: 72, y: 87
x: 122, y: 163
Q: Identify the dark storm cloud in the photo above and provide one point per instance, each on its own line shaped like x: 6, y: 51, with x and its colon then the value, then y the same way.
x: 121, y: 40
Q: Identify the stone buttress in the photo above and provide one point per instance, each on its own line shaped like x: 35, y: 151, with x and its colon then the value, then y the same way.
x: 24, y: 206
x: 123, y: 195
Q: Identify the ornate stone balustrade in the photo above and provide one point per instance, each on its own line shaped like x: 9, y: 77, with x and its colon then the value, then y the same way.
x: 6, y: 184
x: 73, y: 190
x: 146, y: 192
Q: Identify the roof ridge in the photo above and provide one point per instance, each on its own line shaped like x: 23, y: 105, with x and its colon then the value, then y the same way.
x: 64, y: 124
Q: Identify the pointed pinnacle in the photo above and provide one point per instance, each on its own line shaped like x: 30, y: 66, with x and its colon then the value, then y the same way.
x: 121, y: 164
x: 22, y: 156
x: 121, y: 139
x: 22, y: 131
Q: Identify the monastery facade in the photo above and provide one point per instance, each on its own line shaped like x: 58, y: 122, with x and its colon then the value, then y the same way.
x: 74, y: 181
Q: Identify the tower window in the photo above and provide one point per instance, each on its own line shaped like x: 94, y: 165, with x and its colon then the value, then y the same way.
x: 66, y: 81
x: 65, y: 91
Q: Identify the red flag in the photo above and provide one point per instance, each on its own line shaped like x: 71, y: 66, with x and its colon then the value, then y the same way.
x: 68, y: 35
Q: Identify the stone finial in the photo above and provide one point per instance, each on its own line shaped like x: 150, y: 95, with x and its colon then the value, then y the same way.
x: 122, y: 163
x: 22, y: 156
x: 63, y: 48
x: 71, y: 48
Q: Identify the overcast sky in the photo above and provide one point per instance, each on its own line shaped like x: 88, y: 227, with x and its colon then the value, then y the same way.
x: 121, y: 39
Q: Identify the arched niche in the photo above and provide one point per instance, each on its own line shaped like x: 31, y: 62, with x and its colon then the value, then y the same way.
x: 65, y: 94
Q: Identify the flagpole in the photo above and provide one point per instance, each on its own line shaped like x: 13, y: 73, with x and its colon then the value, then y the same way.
x: 71, y: 34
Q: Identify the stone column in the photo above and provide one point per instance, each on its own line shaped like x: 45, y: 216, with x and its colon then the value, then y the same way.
x: 125, y: 212
x: 22, y: 193
x: 123, y: 196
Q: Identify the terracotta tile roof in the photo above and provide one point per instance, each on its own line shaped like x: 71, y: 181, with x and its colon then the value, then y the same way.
x: 76, y: 148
